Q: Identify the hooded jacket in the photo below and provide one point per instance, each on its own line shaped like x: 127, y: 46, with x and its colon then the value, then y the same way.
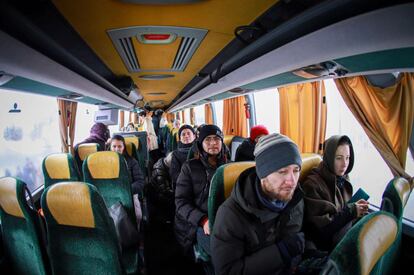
x: 327, y: 215
x: 245, y: 233
x: 191, y: 196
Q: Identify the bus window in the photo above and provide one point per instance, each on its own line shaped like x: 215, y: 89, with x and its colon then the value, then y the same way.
x: 187, y: 116
x: 219, y: 113
x: 267, y: 109
x: 409, y: 208
x: 367, y: 159
x: 199, y: 115
x: 27, y: 136
x: 84, y: 120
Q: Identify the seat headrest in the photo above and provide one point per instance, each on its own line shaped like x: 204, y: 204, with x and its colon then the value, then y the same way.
x: 86, y: 149
x: 230, y: 172
x: 227, y: 140
x: 403, y: 188
x: 375, y: 237
x: 309, y: 161
x: 69, y: 203
x: 129, y: 149
x: 104, y: 165
x: 8, y: 197
x: 57, y: 166
x: 132, y: 139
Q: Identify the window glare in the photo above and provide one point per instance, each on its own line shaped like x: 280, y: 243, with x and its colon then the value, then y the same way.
x: 409, y: 168
x: 267, y: 109
x: 340, y: 121
x: 199, y: 115
x: 187, y: 116
x: 28, y: 136
x: 84, y: 120
x: 219, y: 113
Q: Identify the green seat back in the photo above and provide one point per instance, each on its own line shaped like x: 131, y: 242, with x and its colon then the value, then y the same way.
x: 222, y: 184
x: 59, y: 167
x: 394, y: 199
x: 82, y: 151
x: 109, y: 173
x: 361, y: 249
x: 174, y: 139
x: 132, y: 144
x: 227, y: 140
x: 81, y: 234
x: 20, y: 229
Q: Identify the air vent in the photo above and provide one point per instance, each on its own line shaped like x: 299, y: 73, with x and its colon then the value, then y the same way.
x: 155, y: 76
x: 124, y: 44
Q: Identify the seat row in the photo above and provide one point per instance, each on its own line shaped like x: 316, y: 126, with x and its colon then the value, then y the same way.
x: 79, y: 231
x: 372, y: 246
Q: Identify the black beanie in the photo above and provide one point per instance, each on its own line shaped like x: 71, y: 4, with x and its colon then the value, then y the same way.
x: 273, y: 152
x: 208, y: 130
x: 185, y: 126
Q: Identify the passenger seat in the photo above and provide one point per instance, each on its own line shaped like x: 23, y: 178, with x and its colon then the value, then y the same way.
x: 21, y: 229
x: 59, y: 167
x: 81, y: 234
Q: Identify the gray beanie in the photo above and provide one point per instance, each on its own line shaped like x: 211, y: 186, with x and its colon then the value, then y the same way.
x: 273, y: 152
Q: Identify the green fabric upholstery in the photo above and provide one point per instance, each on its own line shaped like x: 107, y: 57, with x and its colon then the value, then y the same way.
x: 116, y: 188
x: 174, y: 139
x: 133, y: 151
x: 222, y: 184
x: 61, y: 162
x: 363, y: 246
x: 89, y: 245
x: 394, y: 199
x: 82, y: 151
x: 21, y: 233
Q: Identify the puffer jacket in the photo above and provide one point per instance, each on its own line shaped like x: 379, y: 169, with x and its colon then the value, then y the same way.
x: 245, y: 233
x: 178, y: 157
x: 191, y: 196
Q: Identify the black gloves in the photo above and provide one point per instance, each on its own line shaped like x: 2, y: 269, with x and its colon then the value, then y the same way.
x: 291, y: 246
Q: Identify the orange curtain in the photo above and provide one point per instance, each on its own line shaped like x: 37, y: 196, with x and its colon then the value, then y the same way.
x: 121, y: 120
x: 208, y: 114
x: 303, y: 115
x: 183, y: 116
x: 67, y: 121
x: 234, y: 116
x: 386, y: 115
x: 192, y: 116
x: 73, y: 106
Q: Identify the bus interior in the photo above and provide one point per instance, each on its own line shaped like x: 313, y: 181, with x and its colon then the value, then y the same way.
x: 308, y: 69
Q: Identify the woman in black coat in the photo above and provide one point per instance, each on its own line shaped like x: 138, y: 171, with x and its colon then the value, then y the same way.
x: 179, y: 156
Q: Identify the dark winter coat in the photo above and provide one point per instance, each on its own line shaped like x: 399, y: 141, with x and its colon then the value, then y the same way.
x: 161, y: 183
x: 178, y: 158
x: 191, y: 196
x: 245, y: 151
x: 245, y: 233
x: 327, y: 215
x: 160, y: 194
x: 137, y: 177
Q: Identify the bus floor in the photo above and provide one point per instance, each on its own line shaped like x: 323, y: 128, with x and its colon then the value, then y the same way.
x: 163, y: 254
